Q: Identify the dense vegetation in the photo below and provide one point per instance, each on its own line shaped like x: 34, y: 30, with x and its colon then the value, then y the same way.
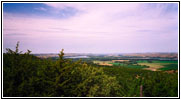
x: 25, y: 75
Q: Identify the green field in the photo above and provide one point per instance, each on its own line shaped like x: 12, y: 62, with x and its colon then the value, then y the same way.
x: 117, y: 64
x: 157, y: 61
x: 169, y: 67
x: 153, y: 65
x: 142, y: 61
x: 171, y: 61
x: 129, y: 66
x: 159, y: 65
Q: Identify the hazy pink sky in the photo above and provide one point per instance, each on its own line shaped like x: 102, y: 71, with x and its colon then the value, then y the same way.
x: 91, y: 27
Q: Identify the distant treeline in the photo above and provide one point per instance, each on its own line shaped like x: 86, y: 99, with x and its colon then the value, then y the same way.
x: 25, y: 75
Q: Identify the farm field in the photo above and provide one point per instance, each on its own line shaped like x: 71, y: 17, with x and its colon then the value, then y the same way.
x: 130, y: 66
x: 106, y: 63
x: 160, y: 65
x: 155, y: 65
x: 170, y: 67
x: 152, y: 66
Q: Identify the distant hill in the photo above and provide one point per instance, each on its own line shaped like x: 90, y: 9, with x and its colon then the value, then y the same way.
x: 162, y: 55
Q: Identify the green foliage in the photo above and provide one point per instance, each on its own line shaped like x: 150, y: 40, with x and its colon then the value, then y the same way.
x: 84, y: 80
x: 155, y: 84
x: 25, y: 75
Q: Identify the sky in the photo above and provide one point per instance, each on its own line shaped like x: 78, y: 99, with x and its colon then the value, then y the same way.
x: 81, y: 27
